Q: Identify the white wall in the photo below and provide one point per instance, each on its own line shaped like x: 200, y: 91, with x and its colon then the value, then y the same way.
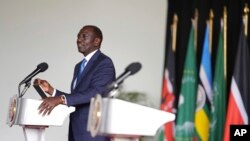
x: 32, y: 32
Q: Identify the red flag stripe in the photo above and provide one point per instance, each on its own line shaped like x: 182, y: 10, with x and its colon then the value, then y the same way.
x: 238, y: 101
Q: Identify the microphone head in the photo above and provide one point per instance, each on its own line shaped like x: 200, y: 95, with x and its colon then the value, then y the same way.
x: 133, y: 68
x: 42, y: 66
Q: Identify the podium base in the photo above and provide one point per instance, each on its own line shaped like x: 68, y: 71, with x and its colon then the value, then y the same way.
x: 34, y: 133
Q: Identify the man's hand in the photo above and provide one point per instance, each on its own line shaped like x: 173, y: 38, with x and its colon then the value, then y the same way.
x: 49, y: 104
x: 44, y: 85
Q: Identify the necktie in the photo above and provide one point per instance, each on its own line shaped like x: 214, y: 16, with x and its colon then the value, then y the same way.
x: 83, y: 64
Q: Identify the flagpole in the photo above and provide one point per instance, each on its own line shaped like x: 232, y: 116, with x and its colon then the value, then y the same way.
x: 195, y: 24
x: 211, y: 17
x: 174, y: 31
x: 225, y: 40
x: 245, y: 18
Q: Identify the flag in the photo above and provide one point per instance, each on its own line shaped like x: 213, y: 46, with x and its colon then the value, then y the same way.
x: 239, y: 96
x: 218, y: 105
x: 187, y: 100
x: 168, y: 96
x: 204, y: 92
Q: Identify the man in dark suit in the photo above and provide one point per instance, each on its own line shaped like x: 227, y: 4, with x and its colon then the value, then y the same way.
x: 91, y: 76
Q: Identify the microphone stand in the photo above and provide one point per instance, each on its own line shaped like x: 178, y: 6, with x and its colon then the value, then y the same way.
x: 27, y: 85
x: 113, y: 89
x: 113, y: 92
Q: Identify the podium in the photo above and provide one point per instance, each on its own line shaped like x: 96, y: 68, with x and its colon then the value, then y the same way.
x: 119, y: 118
x: 24, y: 112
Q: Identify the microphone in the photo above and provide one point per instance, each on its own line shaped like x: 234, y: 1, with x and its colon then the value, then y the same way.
x: 129, y: 70
x: 40, y: 68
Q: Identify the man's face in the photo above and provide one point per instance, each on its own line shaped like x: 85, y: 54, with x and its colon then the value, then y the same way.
x: 86, y: 41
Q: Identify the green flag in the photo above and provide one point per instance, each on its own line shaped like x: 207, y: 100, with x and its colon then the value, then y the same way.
x: 218, y: 107
x: 187, y: 99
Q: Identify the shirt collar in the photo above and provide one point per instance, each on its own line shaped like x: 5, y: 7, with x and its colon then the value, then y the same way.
x: 89, y: 56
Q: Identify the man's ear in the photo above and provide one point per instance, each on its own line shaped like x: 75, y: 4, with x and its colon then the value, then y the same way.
x: 97, y: 41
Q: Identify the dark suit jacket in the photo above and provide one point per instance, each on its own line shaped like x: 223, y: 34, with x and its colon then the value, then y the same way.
x: 97, y: 74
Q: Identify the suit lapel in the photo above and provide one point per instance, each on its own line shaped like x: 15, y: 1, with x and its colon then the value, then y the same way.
x: 88, y: 66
